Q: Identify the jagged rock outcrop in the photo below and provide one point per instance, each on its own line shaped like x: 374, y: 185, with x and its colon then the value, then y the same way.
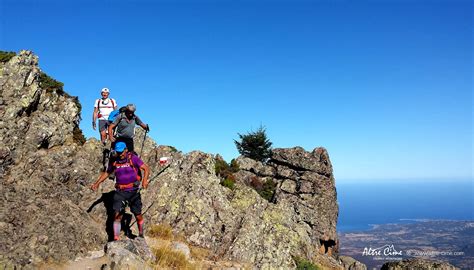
x: 350, y: 263
x: 418, y: 263
x: 306, y: 184
x: 48, y: 212
x: 42, y: 172
x: 240, y: 225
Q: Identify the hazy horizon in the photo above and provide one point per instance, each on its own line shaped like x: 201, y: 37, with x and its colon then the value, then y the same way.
x: 364, y: 203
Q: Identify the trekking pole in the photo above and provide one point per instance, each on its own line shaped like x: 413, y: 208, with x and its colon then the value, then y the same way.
x: 160, y: 172
x: 143, y: 142
x: 144, y: 212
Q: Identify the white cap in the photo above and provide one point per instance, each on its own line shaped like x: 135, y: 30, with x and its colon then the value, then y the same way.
x: 105, y: 90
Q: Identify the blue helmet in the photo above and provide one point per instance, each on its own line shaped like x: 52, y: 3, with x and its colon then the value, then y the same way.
x: 120, y: 146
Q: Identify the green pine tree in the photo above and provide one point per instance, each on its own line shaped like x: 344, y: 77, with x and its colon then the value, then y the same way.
x: 255, y: 145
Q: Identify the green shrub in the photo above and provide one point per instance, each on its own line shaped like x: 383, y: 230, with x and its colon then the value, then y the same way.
x: 234, y: 166
x: 303, y: 264
x: 6, y: 56
x: 255, y: 145
x: 221, y: 167
x: 264, y: 189
x: 173, y: 149
x: 229, y: 183
x: 51, y: 85
x: 268, y: 190
x: 226, y: 172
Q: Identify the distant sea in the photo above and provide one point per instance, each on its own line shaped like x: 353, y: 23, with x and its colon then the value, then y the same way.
x: 365, y: 203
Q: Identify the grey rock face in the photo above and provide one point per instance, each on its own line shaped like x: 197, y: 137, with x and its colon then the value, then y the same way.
x: 240, y: 225
x: 306, y: 184
x: 48, y: 212
x: 129, y: 254
x: 351, y: 264
x: 43, y: 174
x: 418, y: 263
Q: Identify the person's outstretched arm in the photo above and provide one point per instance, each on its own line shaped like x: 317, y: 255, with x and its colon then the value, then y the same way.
x: 145, y: 127
x: 101, y: 179
x: 139, y: 122
x: 146, y: 174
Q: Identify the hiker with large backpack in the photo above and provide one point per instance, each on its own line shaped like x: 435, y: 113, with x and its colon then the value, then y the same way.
x: 125, y: 127
x: 102, y: 108
x: 127, y: 168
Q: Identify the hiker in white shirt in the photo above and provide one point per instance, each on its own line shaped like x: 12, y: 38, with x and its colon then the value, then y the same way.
x: 102, y: 108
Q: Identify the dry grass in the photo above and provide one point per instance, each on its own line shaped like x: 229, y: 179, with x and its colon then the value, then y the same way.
x: 161, y: 231
x: 199, y: 253
x: 166, y: 257
x: 161, y: 237
x: 180, y: 237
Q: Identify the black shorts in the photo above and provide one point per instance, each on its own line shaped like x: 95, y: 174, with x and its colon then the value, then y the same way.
x: 133, y: 199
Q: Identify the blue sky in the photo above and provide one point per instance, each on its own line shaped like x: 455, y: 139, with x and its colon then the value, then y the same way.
x: 385, y: 86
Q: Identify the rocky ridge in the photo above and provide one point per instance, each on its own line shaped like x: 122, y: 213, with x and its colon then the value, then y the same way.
x: 43, y: 170
x: 418, y: 263
x: 48, y: 212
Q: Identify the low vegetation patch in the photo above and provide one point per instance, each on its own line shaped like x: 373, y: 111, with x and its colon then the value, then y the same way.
x: 226, y: 172
x: 303, y: 264
x: 266, y: 189
x: 169, y: 258
x: 199, y: 253
x: 51, y: 85
x: 162, y: 231
x: 166, y: 256
x: 228, y: 183
x: 6, y: 56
